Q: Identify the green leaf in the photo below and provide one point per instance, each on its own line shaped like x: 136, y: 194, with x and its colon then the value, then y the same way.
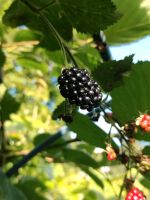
x: 8, y: 191
x: 97, y: 180
x: 79, y: 158
x: 32, y: 187
x: 44, y: 136
x: 146, y: 175
x: 110, y: 74
x: 58, y: 111
x: 8, y: 106
x: 2, y: 58
x: 142, y: 136
x: 146, y: 150
x: 19, y: 14
x: 90, y: 16
x: 133, y: 96
x: 88, y: 131
x: 40, y: 138
x: 32, y: 63
x: 87, y: 56
x: 134, y: 24
x: 145, y: 183
x: 27, y: 35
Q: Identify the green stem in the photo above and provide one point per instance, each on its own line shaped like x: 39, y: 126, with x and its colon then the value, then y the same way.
x: 61, y: 42
x: 57, y: 36
x: 114, y: 125
x: 51, y: 3
x: 122, y: 186
x: 109, y: 181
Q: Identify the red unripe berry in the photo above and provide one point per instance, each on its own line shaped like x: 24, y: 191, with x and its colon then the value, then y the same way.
x: 147, y: 129
x: 110, y: 156
x: 135, y: 194
x: 143, y: 123
x: 146, y: 117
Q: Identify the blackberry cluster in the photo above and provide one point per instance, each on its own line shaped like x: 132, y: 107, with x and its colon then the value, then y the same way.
x: 76, y: 85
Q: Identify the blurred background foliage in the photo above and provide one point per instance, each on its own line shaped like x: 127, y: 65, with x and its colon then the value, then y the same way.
x: 31, y: 60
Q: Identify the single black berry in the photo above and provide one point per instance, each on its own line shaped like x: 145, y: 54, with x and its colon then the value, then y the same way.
x: 76, y: 85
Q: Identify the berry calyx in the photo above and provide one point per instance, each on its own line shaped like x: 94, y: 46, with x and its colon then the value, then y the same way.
x: 135, y: 194
x: 79, y: 88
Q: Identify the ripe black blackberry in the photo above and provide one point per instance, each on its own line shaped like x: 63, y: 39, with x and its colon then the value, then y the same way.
x: 79, y: 88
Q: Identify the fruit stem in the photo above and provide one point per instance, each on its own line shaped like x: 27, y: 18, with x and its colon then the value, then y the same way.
x: 114, y: 125
x: 61, y: 42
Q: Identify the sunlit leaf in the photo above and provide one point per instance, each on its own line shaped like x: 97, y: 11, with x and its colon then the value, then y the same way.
x: 134, y: 24
x: 132, y: 97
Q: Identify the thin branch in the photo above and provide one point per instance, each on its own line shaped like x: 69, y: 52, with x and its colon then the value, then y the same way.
x: 122, y: 186
x: 114, y: 125
x: 33, y: 153
x: 101, y: 45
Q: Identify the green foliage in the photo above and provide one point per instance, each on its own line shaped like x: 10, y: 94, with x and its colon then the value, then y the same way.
x: 8, y: 105
x: 28, y: 62
x: 133, y: 25
x: 146, y: 150
x: 93, y: 176
x: 27, y: 35
x: 58, y: 111
x: 19, y: 14
x: 63, y: 15
x: 32, y: 67
x: 110, y: 74
x: 87, y: 131
x: 142, y: 136
x: 79, y: 158
x: 8, y: 191
x: 90, y: 13
x: 32, y: 187
x: 132, y: 97
x: 2, y: 58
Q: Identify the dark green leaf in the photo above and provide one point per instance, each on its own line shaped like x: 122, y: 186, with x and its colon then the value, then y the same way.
x: 133, y: 96
x: 146, y: 175
x: 8, y: 191
x: 32, y: 187
x: 110, y: 74
x: 79, y: 158
x: 146, y: 150
x: 58, y: 111
x: 146, y: 183
x: 2, y: 58
x: 40, y: 138
x: 90, y: 16
x: 8, y: 106
x: 93, y: 176
x: 88, y: 131
x: 19, y: 14
x: 134, y: 24
x: 142, y: 136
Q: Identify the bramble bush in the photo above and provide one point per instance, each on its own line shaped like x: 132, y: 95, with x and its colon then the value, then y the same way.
x: 59, y: 86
